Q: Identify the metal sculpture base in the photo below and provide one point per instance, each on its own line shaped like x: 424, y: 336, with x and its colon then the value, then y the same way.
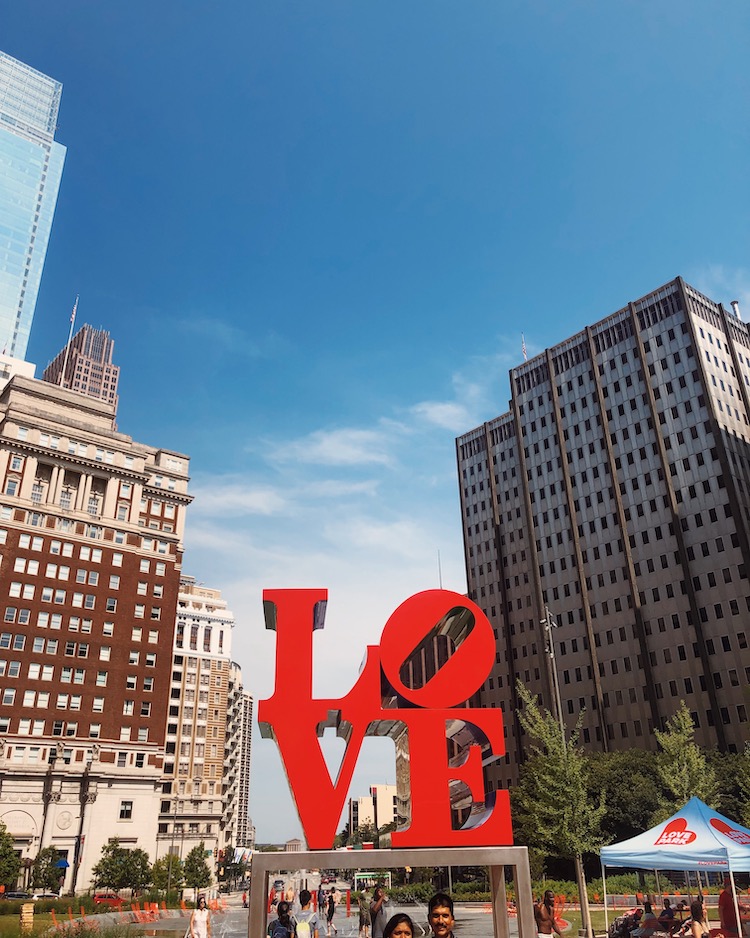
x: 495, y: 858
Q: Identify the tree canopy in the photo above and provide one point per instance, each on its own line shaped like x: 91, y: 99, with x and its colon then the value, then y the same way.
x: 165, y: 878
x: 682, y: 767
x: 555, y: 809
x: 119, y: 868
x: 196, y: 871
x: 46, y: 873
x: 10, y: 862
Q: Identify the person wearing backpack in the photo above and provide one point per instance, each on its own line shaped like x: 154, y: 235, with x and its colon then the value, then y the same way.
x: 306, y: 919
x: 283, y: 926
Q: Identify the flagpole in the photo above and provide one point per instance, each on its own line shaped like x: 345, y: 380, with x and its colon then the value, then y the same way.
x: 70, y: 336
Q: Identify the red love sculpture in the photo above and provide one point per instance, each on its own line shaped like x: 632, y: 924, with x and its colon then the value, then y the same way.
x: 385, y: 700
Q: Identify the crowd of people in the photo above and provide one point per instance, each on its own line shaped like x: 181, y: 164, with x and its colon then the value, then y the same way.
x: 681, y: 920
x: 374, y: 921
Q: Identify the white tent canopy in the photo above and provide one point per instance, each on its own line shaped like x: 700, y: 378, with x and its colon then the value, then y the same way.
x: 695, y: 838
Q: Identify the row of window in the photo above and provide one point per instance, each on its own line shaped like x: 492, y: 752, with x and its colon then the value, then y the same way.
x: 73, y: 650
x: 18, y: 590
x: 69, y: 729
x: 41, y: 700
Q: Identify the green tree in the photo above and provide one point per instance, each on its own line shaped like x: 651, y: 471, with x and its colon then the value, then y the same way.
x: 682, y: 767
x: 10, y: 862
x: 557, y: 811
x: 363, y: 834
x: 111, y: 869
x: 46, y: 873
x: 167, y: 873
x: 342, y: 838
x: 729, y: 768
x: 196, y: 871
x: 119, y: 868
x: 742, y: 770
x: 628, y: 781
x: 138, y: 869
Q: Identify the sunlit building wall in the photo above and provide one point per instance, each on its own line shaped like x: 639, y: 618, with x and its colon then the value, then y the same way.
x: 615, y: 493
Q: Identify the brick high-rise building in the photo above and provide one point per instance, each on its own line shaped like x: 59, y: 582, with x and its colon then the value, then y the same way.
x: 91, y: 527
x: 616, y: 493
x: 85, y: 365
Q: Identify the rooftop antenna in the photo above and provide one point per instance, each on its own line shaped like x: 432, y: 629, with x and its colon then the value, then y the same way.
x: 735, y: 304
x: 70, y: 336
x: 523, y: 347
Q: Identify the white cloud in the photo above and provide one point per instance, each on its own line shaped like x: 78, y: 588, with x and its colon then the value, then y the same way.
x: 447, y: 414
x: 225, y: 495
x: 361, y: 511
x: 219, y: 335
x: 347, y: 446
x: 724, y: 284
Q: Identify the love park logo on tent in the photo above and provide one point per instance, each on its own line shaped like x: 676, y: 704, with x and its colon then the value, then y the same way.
x: 394, y: 693
x: 675, y: 834
x: 739, y: 837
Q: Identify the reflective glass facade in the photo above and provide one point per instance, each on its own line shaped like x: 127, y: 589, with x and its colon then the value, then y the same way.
x: 31, y: 164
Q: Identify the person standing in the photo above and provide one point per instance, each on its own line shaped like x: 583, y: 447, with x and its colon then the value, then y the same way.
x: 378, y: 916
x: 200, y: 920
x: 399, y: 926
x: 544, y: 915
x: 283, y: 925
x: 364, y: 914
x: 727, y: 914
x: 330, y: 911
x: 306, y: 919
x: 440, y: 915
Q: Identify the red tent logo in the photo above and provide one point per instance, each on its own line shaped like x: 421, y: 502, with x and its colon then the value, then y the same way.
x: 676, y: 834
x: 739, y: 837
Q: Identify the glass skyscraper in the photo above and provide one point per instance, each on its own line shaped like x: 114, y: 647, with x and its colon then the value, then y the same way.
x: 31, y: 164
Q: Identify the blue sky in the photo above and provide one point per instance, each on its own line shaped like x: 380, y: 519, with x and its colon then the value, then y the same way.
x: 316, y: 231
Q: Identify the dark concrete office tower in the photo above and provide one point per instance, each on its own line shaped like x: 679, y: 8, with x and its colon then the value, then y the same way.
x: 616, y: 494
x: 85, y: 366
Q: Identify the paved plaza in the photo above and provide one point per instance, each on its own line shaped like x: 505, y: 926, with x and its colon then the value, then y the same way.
x: 472, y: 921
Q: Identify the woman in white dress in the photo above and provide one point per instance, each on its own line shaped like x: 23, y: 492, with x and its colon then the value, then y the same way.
x: 200, y: 920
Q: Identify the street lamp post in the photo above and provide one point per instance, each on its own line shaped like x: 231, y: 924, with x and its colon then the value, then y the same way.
x: 170, y: 860
x: 549, y: 622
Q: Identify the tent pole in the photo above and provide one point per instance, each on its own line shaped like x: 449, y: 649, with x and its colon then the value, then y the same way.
x: 604, y: 890
x: 658, y: 887
x: 736, y: 904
